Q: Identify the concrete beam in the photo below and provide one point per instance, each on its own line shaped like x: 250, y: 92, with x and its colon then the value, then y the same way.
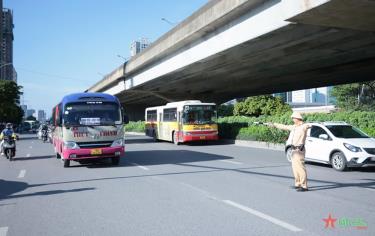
x: 348, y: 14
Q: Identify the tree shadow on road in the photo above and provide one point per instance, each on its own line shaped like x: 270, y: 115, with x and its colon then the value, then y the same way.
x: 370, y: 184
x: 349, y: 169
x: 32, y: 158
x: 154, y: 157
x: 9, y: 188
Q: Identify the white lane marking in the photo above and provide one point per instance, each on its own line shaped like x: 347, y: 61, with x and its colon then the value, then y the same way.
x: 3, y: 231
x: 231, y: 162
x: 142, y: 167
x: 31, y: 147
x: 22, y: 174
x: 263, y: 216
x: 370, y: 189
x: 28, y: 155
x: 204, y: 192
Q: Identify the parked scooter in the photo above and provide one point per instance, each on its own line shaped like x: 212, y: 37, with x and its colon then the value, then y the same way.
x: 9, y: 147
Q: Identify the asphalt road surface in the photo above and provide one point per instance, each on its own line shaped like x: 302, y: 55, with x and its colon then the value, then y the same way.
x: 163, y: 189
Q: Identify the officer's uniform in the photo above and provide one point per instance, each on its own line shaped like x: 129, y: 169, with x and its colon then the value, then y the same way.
x: 297, y: 135
x: 6, y: 132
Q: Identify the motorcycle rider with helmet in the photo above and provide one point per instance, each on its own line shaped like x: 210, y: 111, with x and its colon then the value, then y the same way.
x: 8, y: 131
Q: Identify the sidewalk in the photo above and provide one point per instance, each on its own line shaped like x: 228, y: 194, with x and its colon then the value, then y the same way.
x: 242, y: 143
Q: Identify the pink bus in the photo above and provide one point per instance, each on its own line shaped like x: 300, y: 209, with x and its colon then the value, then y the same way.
x: 88, y: 126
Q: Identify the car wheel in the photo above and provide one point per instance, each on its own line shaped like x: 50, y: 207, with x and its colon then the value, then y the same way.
x: 338, y: 161
x: 175, y: 138
x: 66, y: 163
x: 288, y: 154
x: 115, y: 161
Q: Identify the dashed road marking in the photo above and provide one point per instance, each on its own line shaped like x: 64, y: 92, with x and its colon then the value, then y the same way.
x: 31, y: 147
x: 245, y: 208
x: 3, y: 231
x: 231, y: 162
x: 28, y: 155
x: 263, y: 216
x: 142, y: 167
x: 22, y: 174
x: 370, y: 189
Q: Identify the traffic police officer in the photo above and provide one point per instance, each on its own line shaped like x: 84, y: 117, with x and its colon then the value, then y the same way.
x: 298, y: 133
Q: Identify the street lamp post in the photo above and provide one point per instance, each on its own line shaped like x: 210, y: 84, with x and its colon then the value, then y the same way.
x: 6, y: 64
x: 124, y: 58
x: 168, y: 22
x: 3, y: 65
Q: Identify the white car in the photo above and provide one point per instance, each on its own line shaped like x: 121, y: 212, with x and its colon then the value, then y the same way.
x: 338, y: 144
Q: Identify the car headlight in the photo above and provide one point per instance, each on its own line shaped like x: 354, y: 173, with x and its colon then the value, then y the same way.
x: 352, y: 148
x: 71, y: 145
x: 118, y: 143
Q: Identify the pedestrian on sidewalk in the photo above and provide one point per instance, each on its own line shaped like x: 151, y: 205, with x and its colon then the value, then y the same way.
x: 298, y: 133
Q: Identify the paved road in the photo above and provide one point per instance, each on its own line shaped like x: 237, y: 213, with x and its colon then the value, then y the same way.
x: 163, y: 189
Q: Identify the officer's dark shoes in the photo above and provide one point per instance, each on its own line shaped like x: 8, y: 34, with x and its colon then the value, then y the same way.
x: 302, y: 190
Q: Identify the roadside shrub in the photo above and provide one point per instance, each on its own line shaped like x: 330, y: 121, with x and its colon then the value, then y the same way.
x: 261, y: 105
x: 242, y: 127
x: 135, y: 126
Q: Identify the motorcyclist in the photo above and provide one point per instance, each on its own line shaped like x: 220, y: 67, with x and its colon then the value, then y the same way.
x: 44, y: 130
x: 8, y: 131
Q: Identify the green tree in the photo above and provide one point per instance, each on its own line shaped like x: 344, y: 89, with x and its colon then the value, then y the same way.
x: 356, y: 96
x: 225, y: 110
x: 261, y: 105
x: 10, y: 111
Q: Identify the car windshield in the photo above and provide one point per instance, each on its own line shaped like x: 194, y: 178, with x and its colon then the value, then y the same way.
x: 199, y: 114
x: 346, y: 131
x: 92, y: 113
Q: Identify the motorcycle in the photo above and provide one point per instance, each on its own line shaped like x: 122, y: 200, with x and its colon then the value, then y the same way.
x: 9, y: 147
x: 44, y: 136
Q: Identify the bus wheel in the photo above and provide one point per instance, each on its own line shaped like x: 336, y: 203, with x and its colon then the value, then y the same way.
x: 154, y: 138
x: 66, y: 163
x: 115, y: 161
x: 175, y: 138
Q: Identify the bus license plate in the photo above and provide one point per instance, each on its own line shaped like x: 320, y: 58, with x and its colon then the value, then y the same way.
x: 96, y: 151
x: 202, y: 137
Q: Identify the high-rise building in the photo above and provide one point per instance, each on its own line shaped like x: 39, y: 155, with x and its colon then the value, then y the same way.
x: 1, y: 34
x: 7, y: 70
x: 138, y: 46
x: 24, y: 108
x: 30, y: 112
x: 308, y: 97
x: 41, y: 116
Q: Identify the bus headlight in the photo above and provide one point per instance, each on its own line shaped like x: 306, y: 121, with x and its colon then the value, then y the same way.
x: 71, y: 145
x: 118, y: 143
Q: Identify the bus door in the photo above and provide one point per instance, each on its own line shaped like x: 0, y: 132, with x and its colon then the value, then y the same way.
x: 179, y: 120
x: 160, y: 125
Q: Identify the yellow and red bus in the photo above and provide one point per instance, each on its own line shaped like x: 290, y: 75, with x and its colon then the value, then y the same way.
x: 181, y: 122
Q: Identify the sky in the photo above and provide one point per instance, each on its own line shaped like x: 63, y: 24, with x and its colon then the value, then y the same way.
x: 65, y: 46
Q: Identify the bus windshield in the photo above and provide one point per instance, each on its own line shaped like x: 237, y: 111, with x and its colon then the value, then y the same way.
x: 199, y: 114
x: 92, y: 113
